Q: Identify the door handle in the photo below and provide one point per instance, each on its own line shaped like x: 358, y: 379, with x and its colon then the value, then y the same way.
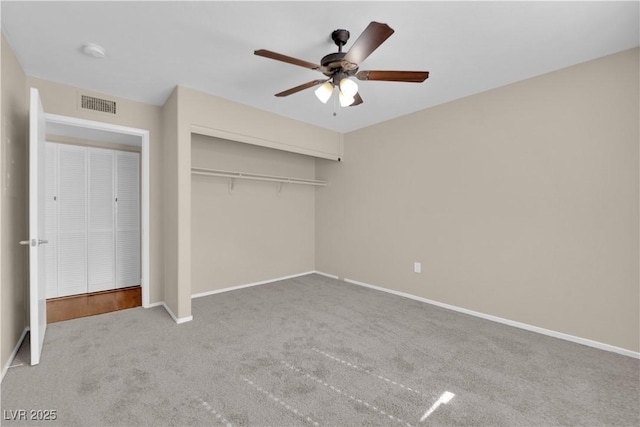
x: 34, y: 242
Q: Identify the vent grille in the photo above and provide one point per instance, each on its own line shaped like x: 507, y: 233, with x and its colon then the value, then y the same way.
x: 98, y: 104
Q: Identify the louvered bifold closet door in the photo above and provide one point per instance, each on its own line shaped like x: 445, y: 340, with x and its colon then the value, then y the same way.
x: 51, y: 220
x: 127, y: 219
x: 101, y: 229
x: 72, y: 220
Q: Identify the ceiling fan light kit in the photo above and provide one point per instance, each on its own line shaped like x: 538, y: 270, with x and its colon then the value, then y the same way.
x: 345, y: 100
x: 348, y: 87
x: 340, y: 66
x: 324, y: 92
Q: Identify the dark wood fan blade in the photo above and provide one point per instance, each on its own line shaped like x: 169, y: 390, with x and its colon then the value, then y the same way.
x: 299, y: 88
x: 394, y: 76
x: 373, y: 36
x: 287, y: 59
x: 358, y: 100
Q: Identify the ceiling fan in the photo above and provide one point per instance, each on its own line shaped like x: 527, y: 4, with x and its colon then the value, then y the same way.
x: 341, y: 66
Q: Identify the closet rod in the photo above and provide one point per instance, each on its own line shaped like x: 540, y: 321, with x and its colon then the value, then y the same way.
x: 256, y: 177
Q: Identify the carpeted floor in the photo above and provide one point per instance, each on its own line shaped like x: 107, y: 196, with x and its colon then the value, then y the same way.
x: 314, y: 351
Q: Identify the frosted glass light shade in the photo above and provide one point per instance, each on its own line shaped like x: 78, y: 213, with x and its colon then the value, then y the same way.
x: 324, y: 92
x: 348, y: 87
x: 345, y: 100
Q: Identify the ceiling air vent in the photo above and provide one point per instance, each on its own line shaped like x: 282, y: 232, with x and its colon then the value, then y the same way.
x: 97, y: 104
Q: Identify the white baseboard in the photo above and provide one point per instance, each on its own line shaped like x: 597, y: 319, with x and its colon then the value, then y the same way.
x: 333, y: 276
x: 176, y: 319
x: 151, y: 305
x: 5, y: 368
x: 248, y: 285
x: 154, y: 304
x: 525, y: 326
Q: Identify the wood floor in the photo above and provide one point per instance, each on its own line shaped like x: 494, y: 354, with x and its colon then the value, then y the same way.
x: 75, y: 306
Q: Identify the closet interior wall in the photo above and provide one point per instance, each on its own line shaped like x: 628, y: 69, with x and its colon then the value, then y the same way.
x: 251, y: 232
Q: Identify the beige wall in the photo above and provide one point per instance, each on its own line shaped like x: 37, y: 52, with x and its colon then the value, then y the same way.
x: 63, y: 100
x: 254, y: 233
x: 170, y: 229
x: 2, y: 344
x: 14, y: 203
x: 218, y: 117
x: 521, y: 202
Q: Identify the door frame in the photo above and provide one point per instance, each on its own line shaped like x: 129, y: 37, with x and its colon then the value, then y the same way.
x: 143, y: 134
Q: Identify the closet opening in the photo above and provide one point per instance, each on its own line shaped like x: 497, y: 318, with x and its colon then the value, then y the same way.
x: 96, y: 218
x: 258, y: 205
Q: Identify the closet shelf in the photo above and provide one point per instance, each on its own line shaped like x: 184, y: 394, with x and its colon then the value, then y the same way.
x: 256, y: 177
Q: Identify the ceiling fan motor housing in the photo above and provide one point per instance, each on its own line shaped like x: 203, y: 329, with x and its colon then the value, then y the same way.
x: 334, y: 63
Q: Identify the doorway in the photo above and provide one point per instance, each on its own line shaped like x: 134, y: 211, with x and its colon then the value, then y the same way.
x: 70, y: 128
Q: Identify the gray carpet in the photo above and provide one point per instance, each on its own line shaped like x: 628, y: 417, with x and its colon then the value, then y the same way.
x: 314, y: 351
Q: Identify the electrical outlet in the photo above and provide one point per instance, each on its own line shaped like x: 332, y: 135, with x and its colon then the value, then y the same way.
x: 417, y: 267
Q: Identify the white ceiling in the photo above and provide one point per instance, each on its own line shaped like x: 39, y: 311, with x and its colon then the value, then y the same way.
x: 468, y: 47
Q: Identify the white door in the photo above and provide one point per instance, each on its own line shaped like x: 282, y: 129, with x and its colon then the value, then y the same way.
x: 101, y: 234
x: 72, y: 220
x: 127, y: 219
x: 37, y: 238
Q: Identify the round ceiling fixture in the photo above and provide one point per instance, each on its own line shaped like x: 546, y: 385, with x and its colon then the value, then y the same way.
x: 93, y: 50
